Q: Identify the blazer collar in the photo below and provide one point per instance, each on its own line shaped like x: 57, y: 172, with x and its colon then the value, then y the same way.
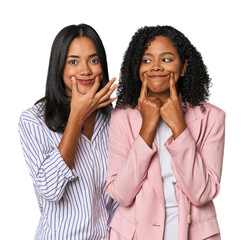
x: 191, y: 113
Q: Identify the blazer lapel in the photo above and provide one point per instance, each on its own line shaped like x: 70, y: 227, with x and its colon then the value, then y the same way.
x: 193, y: 122
x: 155, y: 177
x: 154, y: 171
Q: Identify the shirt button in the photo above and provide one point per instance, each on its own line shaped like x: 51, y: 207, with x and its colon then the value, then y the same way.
x: 135, y: 220
x: 189, y: 219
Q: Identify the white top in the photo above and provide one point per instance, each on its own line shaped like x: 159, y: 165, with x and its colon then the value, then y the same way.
x: 168, y: 178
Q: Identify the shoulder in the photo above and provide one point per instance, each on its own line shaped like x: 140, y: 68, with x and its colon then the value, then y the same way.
x: 124, y: 119
x: 103, y: 119
x: 125, y: 113
x: 209, y: 113
x: 212, y: 108
x: 33, y: 115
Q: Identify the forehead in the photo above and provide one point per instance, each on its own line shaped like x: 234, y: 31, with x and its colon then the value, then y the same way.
x: 82, y: 45
x: 161, y: 44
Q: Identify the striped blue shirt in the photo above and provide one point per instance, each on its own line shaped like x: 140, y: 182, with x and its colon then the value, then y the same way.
x: 73, y: 203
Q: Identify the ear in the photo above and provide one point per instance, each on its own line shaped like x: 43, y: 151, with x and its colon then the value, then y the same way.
x: 183, y: 70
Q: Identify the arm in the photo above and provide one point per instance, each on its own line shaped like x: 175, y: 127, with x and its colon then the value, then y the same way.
x: 50, y: 166
x: 171, y: 110
x: 198, y: 168
x: 48, y: 170
x: 129, y: 159
x: 82, y: 107
x: 129, y: 156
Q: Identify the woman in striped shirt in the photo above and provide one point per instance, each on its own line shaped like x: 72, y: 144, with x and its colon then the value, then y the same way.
x: 64, y: 137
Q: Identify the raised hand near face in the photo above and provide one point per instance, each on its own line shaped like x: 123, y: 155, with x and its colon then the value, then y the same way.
x: 84, y: 104
x: 171, y: 110
x: 149, y: 109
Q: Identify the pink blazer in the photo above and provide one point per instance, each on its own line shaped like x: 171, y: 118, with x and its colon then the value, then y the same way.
x: 134, y: 176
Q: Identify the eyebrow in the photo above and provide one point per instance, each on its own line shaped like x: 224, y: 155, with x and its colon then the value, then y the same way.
x: 76, y: 56
x: 161, y: 54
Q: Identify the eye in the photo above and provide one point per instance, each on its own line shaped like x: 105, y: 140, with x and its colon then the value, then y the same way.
x: 72, y: 62
x: 166, y: 60
x: 94, y: 60
x: 146, y: 61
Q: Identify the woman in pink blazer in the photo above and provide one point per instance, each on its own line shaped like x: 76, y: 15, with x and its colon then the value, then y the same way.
x: 166, y: 142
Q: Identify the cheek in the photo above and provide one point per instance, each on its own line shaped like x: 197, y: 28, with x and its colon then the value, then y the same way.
x: 142, y: 70
x: 67, y: 82
x: 67, y: 71
x: 173, y: 67
x: 97, y: 69
x: 67, y: 77
x: 100, y: 69
x: 176, y: 69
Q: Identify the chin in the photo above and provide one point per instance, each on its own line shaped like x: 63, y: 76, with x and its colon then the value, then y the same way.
x: 84, y: 90
x: 159, y: 90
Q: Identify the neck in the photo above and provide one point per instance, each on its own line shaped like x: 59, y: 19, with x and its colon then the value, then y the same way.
x: 88, y: 125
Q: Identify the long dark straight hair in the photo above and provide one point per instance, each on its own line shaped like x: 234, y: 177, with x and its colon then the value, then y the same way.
x: 56, y: 102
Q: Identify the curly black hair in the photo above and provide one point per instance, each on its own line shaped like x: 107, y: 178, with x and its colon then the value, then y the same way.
x: 193, y: 87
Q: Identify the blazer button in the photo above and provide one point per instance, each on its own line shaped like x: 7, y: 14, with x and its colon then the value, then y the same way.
x: 189, y: 219
x: 135, y: 220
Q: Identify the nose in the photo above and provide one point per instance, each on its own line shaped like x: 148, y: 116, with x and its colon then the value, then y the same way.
x: 84, y: 69
x: 157, y: 67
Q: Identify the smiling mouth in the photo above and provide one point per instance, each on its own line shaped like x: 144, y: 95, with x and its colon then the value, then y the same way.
x: 86, y: 81
x: 158, y: 76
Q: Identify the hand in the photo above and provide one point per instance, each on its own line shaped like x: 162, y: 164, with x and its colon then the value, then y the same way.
x: 171, y: 110
x: 84, y: 105
x: 149, y: 109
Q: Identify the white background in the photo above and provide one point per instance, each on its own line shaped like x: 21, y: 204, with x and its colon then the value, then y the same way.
x: 27, y: 32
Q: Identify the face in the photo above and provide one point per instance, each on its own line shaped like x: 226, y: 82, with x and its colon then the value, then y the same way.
x: 82, y: 63
x: 158, y: 61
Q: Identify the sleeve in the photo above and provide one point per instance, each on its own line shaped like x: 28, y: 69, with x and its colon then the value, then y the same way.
x: 198, y: 169
x: 128, y: 161
x: 48, y: 170
x: 111, y: 206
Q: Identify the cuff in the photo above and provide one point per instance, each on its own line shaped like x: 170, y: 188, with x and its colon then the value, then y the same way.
x: 62, y: 167
x: 145, y: 150
x: 181, y: 143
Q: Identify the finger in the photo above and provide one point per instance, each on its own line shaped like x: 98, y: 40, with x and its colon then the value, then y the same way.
x: 173, y: 92
x: 96, y: 85
x: 107, y: 88
x: 155, y: 99
x: 152, y: 98
x: 161, y: 111
x: 106, y: 103
x: 109, y: 93
x: 143, y: 93
x: 74, y: 87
